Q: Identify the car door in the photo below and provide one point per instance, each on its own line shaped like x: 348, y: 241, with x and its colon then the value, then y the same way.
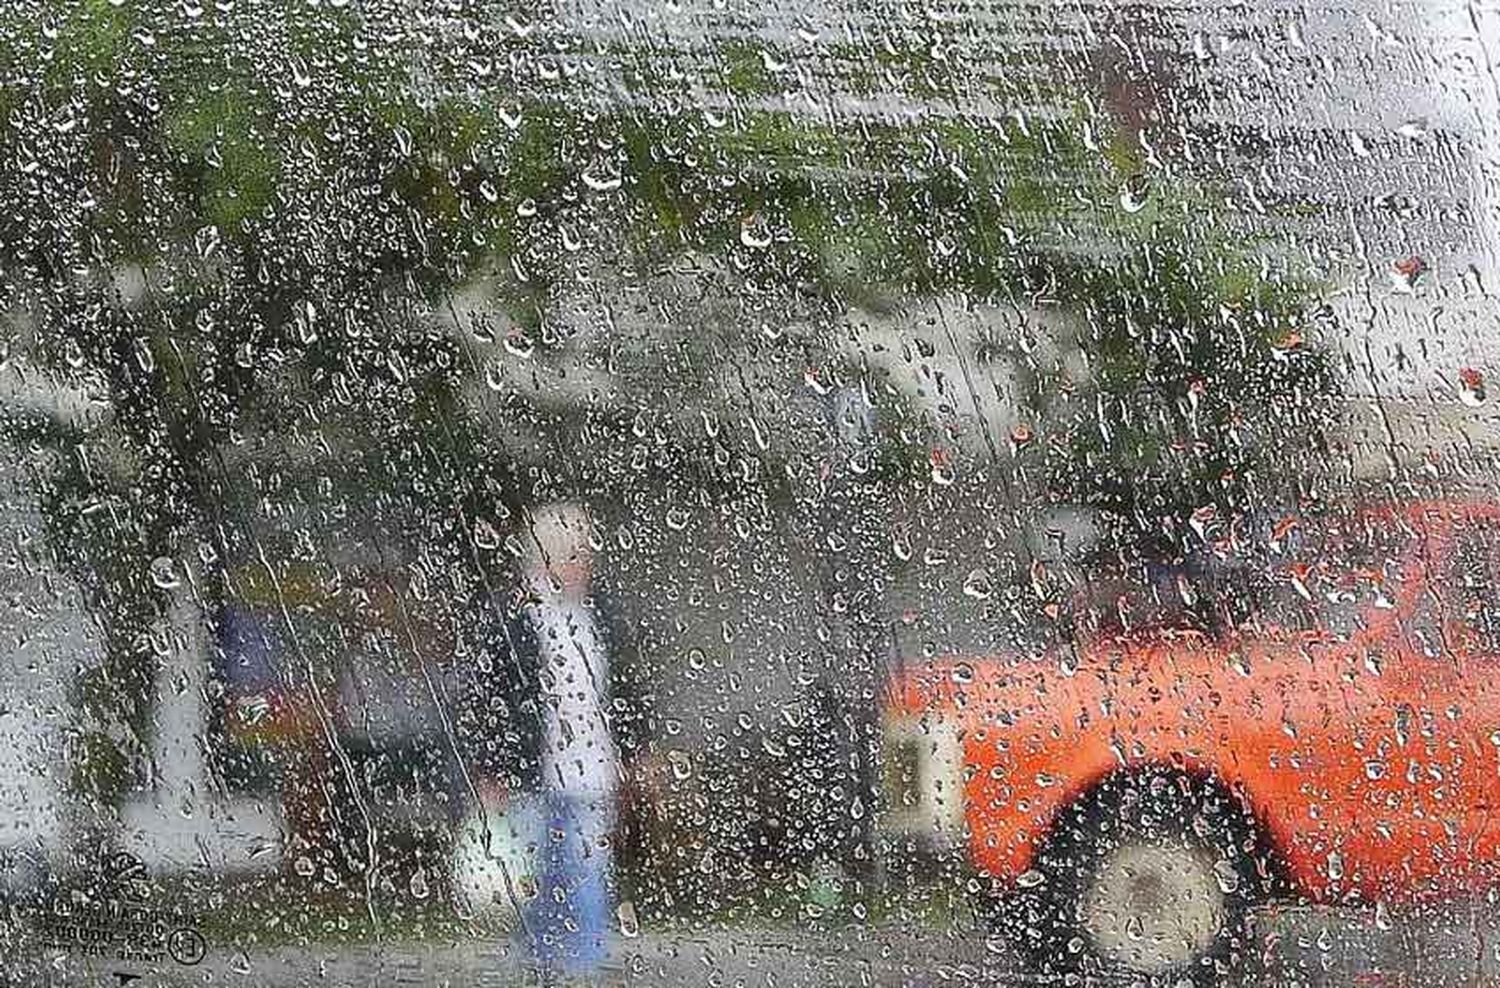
x: 1359, y: 685
x: 1398, y: 779
x: 1425, y: 769
x: 1470, y: 594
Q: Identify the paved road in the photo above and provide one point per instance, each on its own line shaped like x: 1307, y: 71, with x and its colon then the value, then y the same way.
x: 1458, y: 947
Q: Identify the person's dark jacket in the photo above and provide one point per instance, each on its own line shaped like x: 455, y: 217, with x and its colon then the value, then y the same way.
x: 501, y: 720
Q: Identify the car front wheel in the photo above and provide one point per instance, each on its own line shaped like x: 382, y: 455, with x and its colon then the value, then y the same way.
x: 1152, y: 875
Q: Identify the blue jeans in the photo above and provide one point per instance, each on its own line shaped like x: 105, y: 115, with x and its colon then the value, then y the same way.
x: 570, y: 917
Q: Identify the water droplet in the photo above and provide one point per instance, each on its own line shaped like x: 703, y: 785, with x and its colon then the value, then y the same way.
x: 1030, y: 879
x: 304, y: 866
x: 485, y: 535
x: 164, y: 573
x: 1227, y: 876
x: 630, y: 926
x: 602, y: 181
x: 978, y: 585
x: 144, y: 357
x: 253, y: 709
x: 1134, y: 193
x: 1406, y: 272
x: 518, y: 344
x: 307, y: 323
x: 418, y: 884
x: 1414, y: 130
x: 300, y: 74
x: 755, y: 232
x: 1471, y: 390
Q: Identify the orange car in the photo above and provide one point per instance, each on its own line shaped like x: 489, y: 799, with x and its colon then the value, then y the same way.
x: 1143, y: 790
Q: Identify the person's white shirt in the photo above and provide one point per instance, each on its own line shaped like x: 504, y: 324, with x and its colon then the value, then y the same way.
x: 578, y: 754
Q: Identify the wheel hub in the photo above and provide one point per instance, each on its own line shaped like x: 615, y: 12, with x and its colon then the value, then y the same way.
x: 1152, y: 908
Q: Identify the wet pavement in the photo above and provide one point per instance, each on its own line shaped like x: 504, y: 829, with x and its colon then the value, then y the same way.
x: 1457, y: 946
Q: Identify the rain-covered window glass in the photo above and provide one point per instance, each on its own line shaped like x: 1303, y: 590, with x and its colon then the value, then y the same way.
x: 749, y: 493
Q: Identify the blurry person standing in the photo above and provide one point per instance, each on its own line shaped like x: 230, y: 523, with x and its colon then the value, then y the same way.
x: 579, y: 762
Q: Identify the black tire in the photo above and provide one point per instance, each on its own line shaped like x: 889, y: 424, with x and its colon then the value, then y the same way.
x: 1151, y: 876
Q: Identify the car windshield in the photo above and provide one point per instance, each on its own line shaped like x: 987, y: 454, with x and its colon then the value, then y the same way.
x: 1331, y: 572
x: 1319, y: 571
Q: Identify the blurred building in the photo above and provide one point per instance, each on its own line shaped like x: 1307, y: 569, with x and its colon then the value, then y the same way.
x: 1356, y: 135
x: 47, y: 639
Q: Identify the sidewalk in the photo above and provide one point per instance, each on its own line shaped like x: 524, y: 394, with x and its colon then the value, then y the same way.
x: 1302, y: 947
